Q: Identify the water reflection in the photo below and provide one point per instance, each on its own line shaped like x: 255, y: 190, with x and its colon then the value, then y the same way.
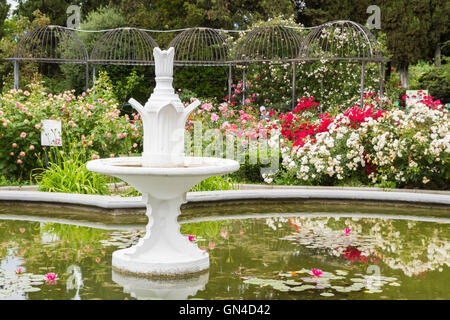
x: 413, y: 250
x: 170, y: 289
x: 74, y: 280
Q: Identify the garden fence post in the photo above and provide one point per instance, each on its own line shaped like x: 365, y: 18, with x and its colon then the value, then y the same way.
x: 87, y: 75
x: 381, y: 78
x: 363, y: 69
x: 16, y: 75
x: 294, y: 71
x: 230, y: 81
x: 243, y: 86
x: 93, y: 75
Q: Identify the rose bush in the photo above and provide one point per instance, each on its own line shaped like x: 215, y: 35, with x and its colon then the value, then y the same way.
x: 90, y: 121
x: 369, y: 145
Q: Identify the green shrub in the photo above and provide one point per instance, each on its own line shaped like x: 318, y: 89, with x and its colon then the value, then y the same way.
x: 436, y: 81
x: 69, y: 175
x: 215, y: 183
x: 91, y: 121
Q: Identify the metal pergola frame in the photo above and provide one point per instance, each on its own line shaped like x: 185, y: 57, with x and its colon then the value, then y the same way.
x: 50, y: 44
x: 208, y: 47
x: 123, y: 46
x: 201, y: 46
x: 326, y: 43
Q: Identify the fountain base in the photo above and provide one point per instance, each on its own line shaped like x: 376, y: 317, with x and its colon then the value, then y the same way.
x: 122, y: 262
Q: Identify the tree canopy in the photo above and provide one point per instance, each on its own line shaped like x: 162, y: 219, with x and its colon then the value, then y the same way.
x: 4, y: 10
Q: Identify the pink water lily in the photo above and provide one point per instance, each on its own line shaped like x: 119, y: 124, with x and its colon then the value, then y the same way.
x: 347, y: 230
x: 317, y: 272
x: 224, y: 233
x: 190, y: 237
x: 19, y: 271
x: 51, y: 276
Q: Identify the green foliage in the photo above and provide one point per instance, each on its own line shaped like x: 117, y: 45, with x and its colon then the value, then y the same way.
x: 100, y: 19
x: 56, y: 9
x: 90, y: 121
x: 215, y: 183
x: 14, y: 28
x: 4, y: 9
x: 321, y: 11
x: 414, y: 30
x: 186, y: 95
x: 434, y: 79
x: 126, y: 86
x: 72, y: 75
x: 6, y: 182
x: 67, y: 173
x: 206, y: 82
x: 249, y: 172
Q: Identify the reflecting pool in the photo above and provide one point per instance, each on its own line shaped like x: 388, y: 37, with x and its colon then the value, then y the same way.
x: 266, y: 255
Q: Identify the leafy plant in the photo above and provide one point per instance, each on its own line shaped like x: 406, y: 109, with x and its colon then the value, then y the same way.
x: 69, y: 175
x: 215, y: 183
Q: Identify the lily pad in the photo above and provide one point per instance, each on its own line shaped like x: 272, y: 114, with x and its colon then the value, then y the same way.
x: 292, y: 282
x: 357, y: 280
x: 327, y: 294
x: 394, y: 284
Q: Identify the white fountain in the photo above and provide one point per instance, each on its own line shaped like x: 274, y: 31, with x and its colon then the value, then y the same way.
x: 163, y: 175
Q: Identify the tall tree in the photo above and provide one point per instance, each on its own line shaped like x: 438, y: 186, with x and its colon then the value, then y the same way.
x: 415, y: 29
x: 56, y: 10
x: 4, y: 10
x: 315, y: 12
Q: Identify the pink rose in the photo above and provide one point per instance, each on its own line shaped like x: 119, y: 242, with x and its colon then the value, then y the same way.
x: 214, y: 117
x: 23, y: 135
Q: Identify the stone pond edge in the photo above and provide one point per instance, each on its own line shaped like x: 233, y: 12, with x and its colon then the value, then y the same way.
x: 264, y: 194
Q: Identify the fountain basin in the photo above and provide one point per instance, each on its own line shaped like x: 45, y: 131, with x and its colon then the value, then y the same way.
x: 163, y: 182
x: 163, y: 251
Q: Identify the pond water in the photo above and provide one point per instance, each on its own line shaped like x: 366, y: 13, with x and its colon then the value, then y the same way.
x: 267, y: 255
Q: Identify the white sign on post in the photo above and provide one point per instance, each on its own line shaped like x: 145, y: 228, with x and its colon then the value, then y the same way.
x: 51, y: 133
x: 414, y: 96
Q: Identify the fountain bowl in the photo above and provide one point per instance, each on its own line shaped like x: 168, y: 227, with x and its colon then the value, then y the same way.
x: 163, y: 251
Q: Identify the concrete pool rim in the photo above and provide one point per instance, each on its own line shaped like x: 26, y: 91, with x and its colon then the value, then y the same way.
x: 120, y: 205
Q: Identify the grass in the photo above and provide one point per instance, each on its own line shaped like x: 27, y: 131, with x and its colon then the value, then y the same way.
x: 69, y: 175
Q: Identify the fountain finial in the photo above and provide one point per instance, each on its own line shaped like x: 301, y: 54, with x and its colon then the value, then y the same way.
x: 163, y: 62
x: 164, y: 116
